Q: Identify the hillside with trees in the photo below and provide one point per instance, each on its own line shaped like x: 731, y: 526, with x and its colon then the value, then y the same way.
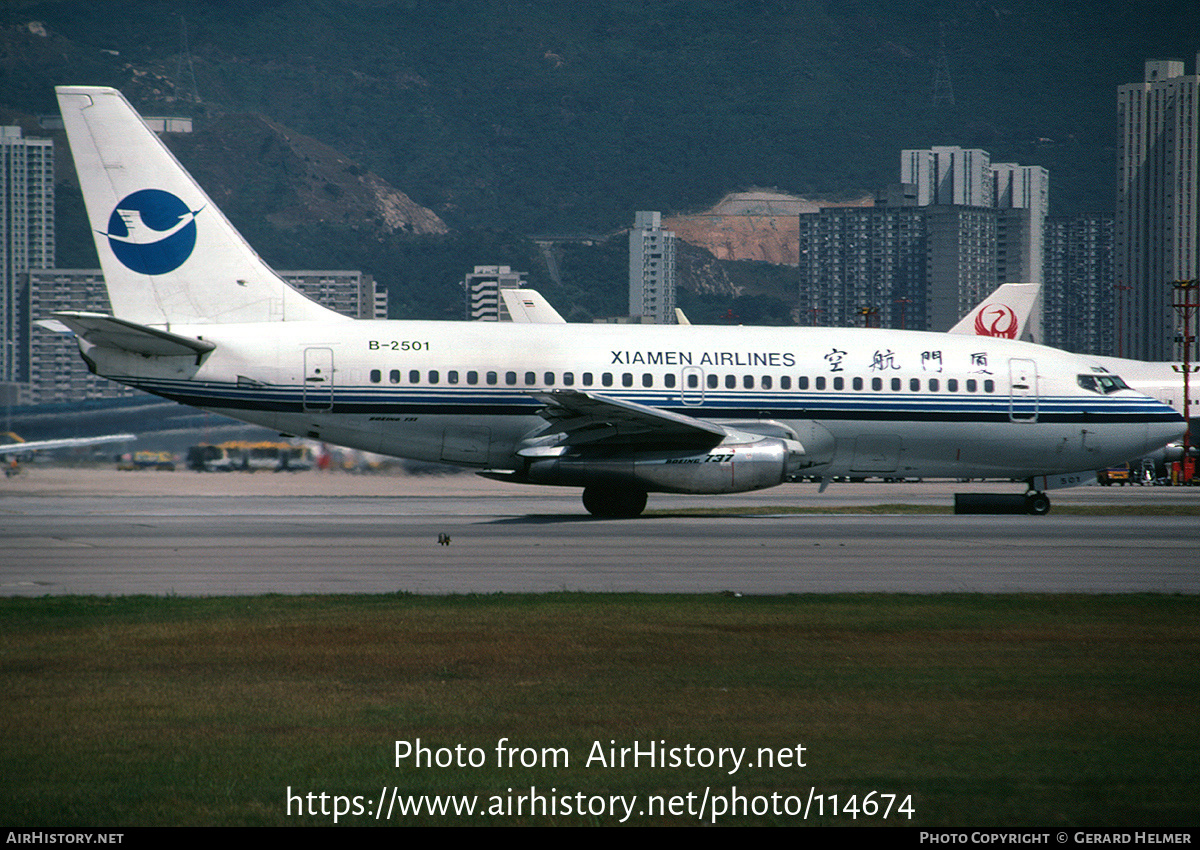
x: 506, y: 120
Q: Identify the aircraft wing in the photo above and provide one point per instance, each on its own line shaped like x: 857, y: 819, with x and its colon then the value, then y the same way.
x: 526, y: 306
x: 594, y: 419
x: 70, y: 442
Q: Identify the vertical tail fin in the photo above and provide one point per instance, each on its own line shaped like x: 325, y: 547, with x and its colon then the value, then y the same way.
x: 527, y: 306
x: 168, y: 254
x: 1005, y: 313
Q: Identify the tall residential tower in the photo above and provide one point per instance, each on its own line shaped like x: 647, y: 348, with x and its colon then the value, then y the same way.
x: 651, y: 270
x: 26, y: 239
x: 1158, y: 204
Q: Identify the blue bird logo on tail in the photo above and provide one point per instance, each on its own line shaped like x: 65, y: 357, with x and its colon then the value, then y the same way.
x: 152, y: 231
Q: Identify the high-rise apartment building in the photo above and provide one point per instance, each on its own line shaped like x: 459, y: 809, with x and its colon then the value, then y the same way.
x: 860, y: 265
x: 350, y: 293
x: 949, y: 175
x: 1158, y: 204
x: 482, y: 288
x: 1022, y: 195
x: 651, y: 270
x: 1008, y: 237
x: 1079, y: 305
x: 26, y: 239
x: 961, y: 268
x: 921, y: 268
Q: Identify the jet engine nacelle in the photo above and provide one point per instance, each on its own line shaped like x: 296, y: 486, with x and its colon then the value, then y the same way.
x: 1174, y: 452
x: 738, y: 464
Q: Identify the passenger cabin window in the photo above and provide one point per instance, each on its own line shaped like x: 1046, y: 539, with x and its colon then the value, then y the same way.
x: 530, y: 379
x: 433, y: 377
x: 587, y: 379
x: 394, y: 376
x: 376, y: 376
x: 472, y: 377
x: 914, y: 384
x: 606, y: 379
x: 839, y: 383
x: 785, y: 383
x: 627, y: 379
x: 766, y: 382
x: 933, y: 385
x: 548, y: 379
x: 510, y: 378
x: 414, y: 377
x: 877, y: 384
x: 669, y: 380
x: 896, y: 384
x: 693, y: 381
x: 492, y: 378
x: 972, y: 385
x: 730, y: 381
x: 952, y: 385
x: 858, y: 383
x: 647, y: 379
x: 452, y: 377
x: 802, y: 382
x: 713, y: 381
x: 989, y: 386
x: 568, y: 379
x: 820, y: 383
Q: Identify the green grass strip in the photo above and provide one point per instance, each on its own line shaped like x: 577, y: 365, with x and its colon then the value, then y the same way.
x: 984, y: 710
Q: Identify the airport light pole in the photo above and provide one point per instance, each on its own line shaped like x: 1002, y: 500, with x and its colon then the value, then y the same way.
x: 1185, y: 308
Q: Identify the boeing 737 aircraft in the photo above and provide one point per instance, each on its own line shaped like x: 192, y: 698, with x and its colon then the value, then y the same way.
x: 619, y: 410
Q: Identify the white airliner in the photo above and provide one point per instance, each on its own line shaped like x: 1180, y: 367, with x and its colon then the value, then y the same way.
x: 619, y: 410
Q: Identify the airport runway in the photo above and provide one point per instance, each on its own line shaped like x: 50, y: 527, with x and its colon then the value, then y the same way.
x: 102, y: 532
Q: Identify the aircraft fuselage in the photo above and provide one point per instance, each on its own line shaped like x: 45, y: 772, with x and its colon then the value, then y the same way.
x: 861, y: 402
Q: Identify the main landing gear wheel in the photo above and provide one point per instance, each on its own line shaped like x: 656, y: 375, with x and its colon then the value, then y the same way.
x: 613, y: 502
x: 1037, y: 504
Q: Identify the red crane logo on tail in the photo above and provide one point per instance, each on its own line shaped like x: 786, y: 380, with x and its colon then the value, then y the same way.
x: 997, y: 320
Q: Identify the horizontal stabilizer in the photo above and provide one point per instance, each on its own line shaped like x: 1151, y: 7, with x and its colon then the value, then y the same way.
x: 111, y: 332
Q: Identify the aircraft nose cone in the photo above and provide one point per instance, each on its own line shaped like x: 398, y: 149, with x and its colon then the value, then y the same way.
x: 1160, y: 433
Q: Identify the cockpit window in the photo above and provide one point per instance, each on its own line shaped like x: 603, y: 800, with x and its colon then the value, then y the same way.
x: 1106, y: 383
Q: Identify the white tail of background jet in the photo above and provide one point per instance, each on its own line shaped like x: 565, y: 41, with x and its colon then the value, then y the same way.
x: 1004, y: 314
x: 527, y: 306
x: 169, y: 256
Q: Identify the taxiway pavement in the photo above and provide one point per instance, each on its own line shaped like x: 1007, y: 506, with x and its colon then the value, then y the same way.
x: 106, y: 532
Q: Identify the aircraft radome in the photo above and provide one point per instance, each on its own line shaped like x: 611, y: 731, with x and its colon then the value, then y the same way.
x: 619, y: 410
